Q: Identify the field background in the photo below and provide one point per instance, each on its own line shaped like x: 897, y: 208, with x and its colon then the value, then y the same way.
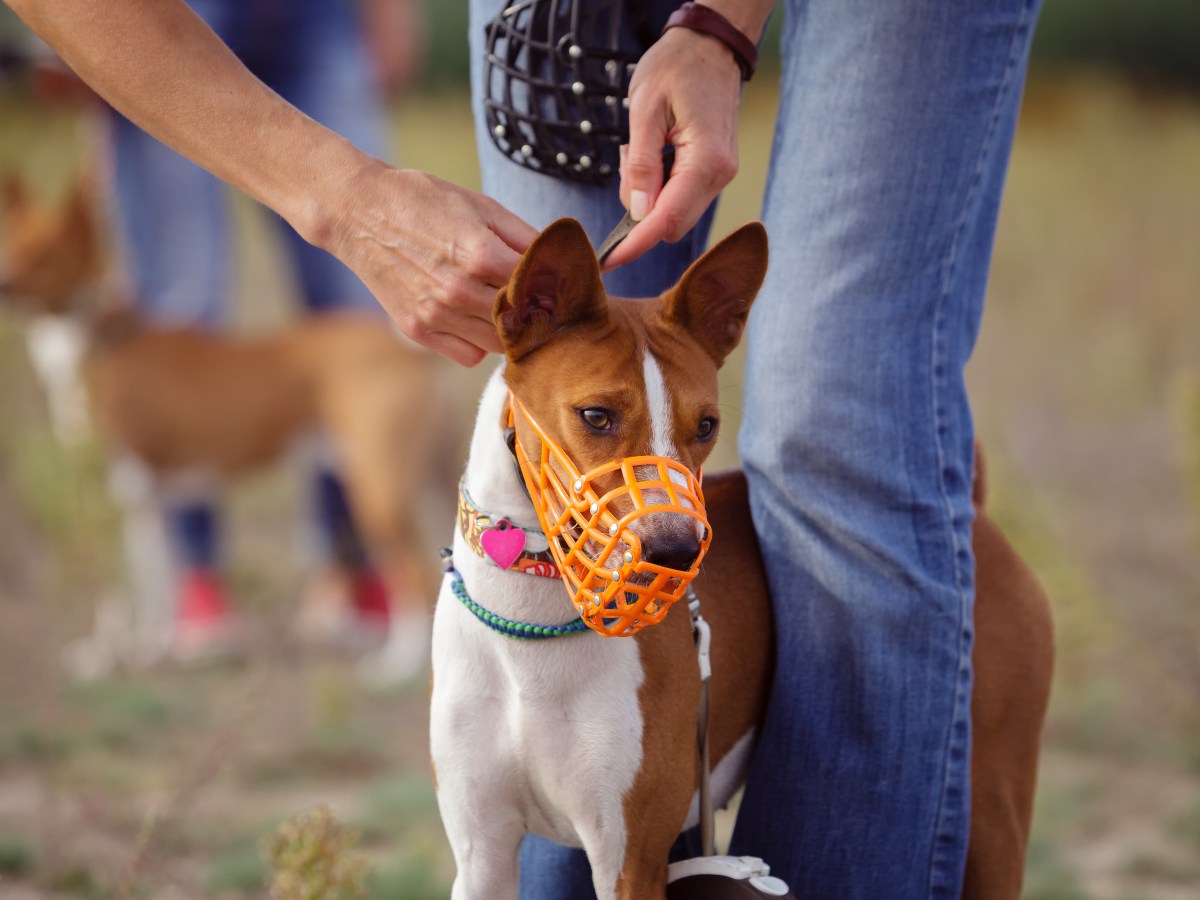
x: 1086, y: 385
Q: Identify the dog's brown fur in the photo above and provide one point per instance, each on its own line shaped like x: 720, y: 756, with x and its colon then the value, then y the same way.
x: 554, y: 307
x: 182, y: 399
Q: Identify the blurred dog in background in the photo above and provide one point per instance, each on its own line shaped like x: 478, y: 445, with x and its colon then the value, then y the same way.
x: 179, y: 404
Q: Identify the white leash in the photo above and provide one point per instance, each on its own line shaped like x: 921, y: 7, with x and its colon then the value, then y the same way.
x: 703, y: 636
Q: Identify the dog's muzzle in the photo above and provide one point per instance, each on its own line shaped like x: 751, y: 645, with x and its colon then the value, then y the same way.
x: 627, y: 551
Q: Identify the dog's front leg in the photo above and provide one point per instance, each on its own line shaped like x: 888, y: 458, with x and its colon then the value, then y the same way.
x: 485, y: 851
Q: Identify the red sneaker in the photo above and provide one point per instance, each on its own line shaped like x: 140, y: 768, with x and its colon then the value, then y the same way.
x: 205, y: 626
x: 371, y: 604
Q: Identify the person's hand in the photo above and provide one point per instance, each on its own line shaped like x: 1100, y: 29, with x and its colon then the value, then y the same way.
x: 685, y: 92
x: 432, y: 253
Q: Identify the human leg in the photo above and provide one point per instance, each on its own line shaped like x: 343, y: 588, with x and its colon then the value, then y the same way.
x: 313, y: 53
x: 172, y: 223
x: 887, y: 167
x: 539, y: 199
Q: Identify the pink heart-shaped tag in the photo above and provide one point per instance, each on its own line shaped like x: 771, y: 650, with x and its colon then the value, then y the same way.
x: 502, y: 543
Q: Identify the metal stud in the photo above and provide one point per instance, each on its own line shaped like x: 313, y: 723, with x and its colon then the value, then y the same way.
x: 629, y: 67
x: 595, y: 508
x: 628, y: 557
x: 611, y: 68
x: 562, y: 158
x: 613, y: 529
x: 578, y: 485
x: 499, y: 131
x: 526, y: 150
x: 616, y: 575
x: 605, y: 168
x: 624, y: 103
x: 585, y: 162
x: 575, y: 51
x: 577, y: 88
x: 585, y: 126
x: 610, y: 100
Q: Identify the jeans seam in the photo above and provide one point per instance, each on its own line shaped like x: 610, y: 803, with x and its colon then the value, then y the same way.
x: 941, y: 829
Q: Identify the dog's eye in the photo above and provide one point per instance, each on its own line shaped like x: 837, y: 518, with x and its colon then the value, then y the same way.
x: 596, y: 418
x: 706, y: 429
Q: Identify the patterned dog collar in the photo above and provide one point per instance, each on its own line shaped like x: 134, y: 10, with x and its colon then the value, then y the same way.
x: 502, y: 542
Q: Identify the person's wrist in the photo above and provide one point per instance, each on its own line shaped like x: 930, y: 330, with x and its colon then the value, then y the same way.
x: 707, y: 20
x: 321, y: 207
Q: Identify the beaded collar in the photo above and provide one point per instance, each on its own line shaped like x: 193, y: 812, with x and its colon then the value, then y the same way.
x: 509, y: 627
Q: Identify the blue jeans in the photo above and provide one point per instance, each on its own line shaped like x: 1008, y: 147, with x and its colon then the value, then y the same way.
x: 175, y: 221
x: 895, y: 125
x: 174, y: 215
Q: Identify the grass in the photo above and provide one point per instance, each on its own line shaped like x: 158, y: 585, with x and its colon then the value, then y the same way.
x: 1084, y: 383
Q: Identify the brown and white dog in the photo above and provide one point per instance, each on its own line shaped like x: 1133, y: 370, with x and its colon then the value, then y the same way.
x: 590, y: 741
x: 175, y: 405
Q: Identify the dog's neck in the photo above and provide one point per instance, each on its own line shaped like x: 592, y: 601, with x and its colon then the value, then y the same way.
x: 492, y: 478
x: 494, y: 484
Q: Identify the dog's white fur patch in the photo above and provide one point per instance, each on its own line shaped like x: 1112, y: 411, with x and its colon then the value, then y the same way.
x: 56, y: 348
x: 658, y: 402
x: 538, y: 736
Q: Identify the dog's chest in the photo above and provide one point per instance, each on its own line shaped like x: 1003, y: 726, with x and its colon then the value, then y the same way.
x: 552, y: 729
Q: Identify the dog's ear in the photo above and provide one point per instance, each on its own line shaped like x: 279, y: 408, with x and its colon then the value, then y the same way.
x: 713, y: 298
x: 556, y: 285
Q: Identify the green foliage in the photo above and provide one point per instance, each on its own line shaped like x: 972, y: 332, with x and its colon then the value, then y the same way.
x: 447, y: 57
x: 1148, y: 37
x: 413, y: 881
x: 396, y: 803
x: 238, y: 870
x: 16, y: 857
x: 314, y: 857
x: 121, y: 714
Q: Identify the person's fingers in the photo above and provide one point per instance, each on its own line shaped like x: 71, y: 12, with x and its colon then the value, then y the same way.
x: 481, y: 333
x: 490, y: 268
x: 641, y: 161
x: 453, y: 348
x: 683, y: 200
x: 510, y: 228
x: 466, y: 314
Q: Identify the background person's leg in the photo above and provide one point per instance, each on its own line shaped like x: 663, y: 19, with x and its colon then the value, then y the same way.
x: 313, y: 53
x: 895, y: 126
x: 173, y: 224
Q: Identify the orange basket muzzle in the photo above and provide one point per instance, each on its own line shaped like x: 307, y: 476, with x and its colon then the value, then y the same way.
x: 599, y: 553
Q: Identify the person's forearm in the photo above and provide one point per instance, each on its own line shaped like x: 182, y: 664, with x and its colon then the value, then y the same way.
x: 157, y: 63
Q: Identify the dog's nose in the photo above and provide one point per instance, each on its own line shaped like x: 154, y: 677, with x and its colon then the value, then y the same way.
x: 672, y: 551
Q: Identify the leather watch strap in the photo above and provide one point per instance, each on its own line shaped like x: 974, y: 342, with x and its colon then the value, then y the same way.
x: 707, y: 20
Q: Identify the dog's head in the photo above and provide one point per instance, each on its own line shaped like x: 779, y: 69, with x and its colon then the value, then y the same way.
x: 49, y: 253
x: 609, y: 379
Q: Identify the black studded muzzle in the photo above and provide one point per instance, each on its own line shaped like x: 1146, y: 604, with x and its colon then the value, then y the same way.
x: 556, y: 83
